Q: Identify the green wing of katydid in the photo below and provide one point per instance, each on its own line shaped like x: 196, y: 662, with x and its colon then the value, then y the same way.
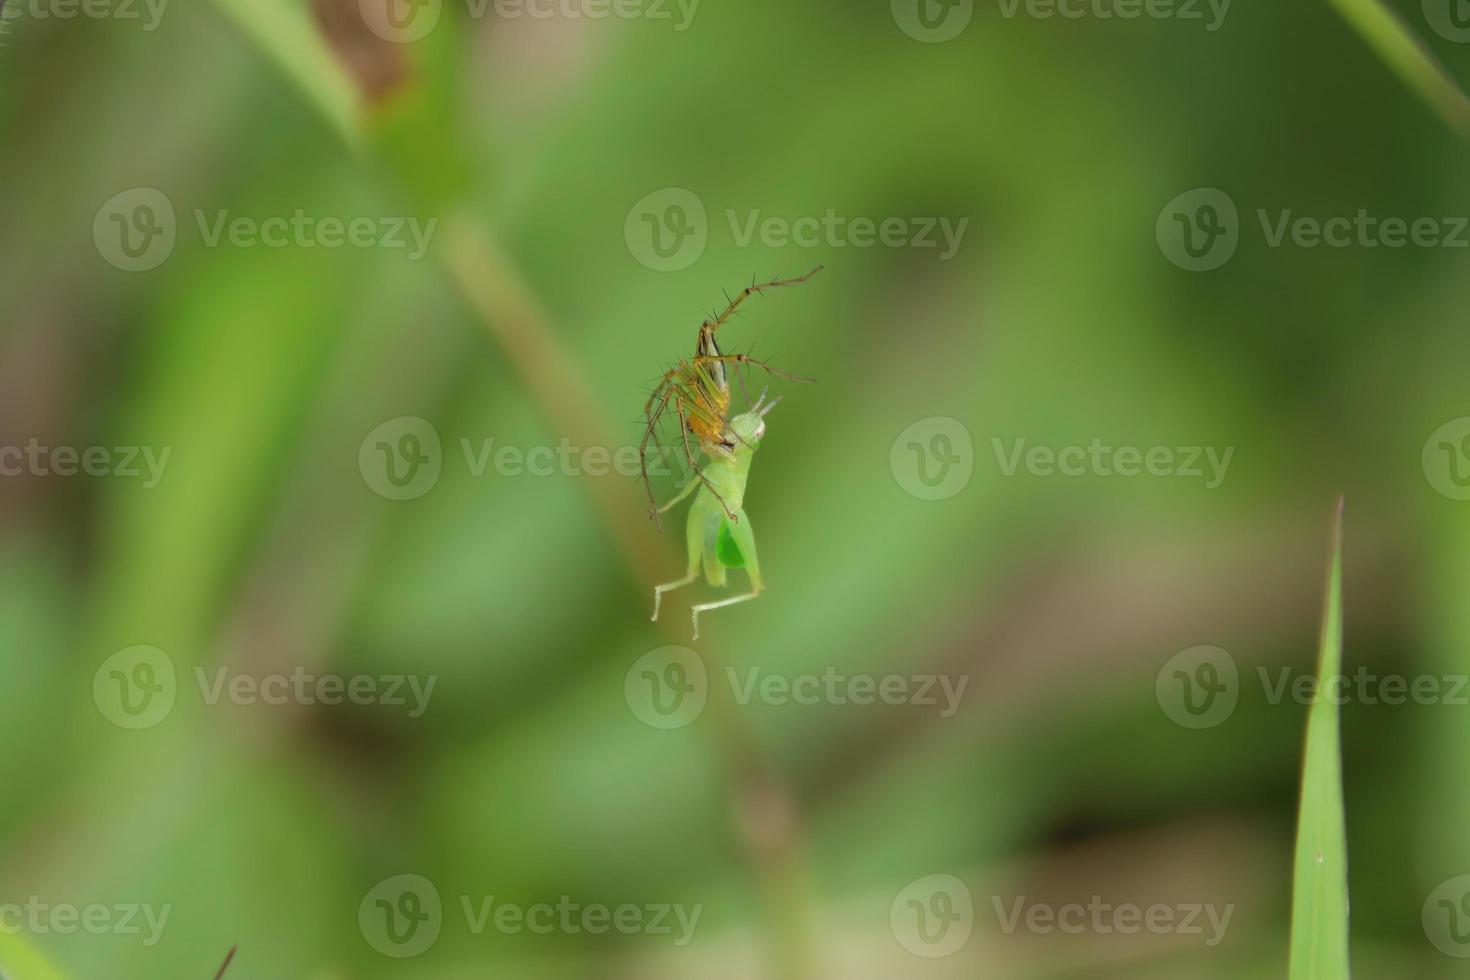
x: 1319, y: 907
x: 726, y: 550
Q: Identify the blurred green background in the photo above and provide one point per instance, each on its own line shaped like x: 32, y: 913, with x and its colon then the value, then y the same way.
x: 798, y: 830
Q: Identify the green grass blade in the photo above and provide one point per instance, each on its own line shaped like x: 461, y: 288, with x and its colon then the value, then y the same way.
x: 1408, y: 57
x: 19, y: 961
x: 285, y: 30
x: 1319, y: 908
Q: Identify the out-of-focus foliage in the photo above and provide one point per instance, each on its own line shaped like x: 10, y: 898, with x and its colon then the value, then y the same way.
x: 795, y: 828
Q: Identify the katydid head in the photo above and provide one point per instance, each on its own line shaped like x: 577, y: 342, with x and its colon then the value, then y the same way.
x: 747, y: 431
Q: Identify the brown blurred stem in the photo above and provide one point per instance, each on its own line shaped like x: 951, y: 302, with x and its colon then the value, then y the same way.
x: 231, y: 957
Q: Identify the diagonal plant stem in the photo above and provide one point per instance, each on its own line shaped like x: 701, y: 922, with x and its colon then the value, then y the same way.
x: 519, y: 324
x: 231, y: 957
x: 1409, y: 58
x: 765, y: 809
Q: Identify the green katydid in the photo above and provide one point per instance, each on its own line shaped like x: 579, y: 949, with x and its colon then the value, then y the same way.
x: 718, y: 533
x: 698, y: 392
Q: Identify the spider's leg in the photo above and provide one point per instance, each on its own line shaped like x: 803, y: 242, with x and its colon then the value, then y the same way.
x: 763, y: 365
x: 689, y: 454
x: 651, y: 433
x: 751, y: 290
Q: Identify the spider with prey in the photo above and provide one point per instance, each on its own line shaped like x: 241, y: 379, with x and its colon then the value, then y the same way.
x: 698, y: 388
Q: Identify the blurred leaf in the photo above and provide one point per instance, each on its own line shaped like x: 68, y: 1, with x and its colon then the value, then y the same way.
x: 286, y: 31
x: 1319, y: 914
x: 1408, y: 57
x: 18, y: 961
x: 415, y: 132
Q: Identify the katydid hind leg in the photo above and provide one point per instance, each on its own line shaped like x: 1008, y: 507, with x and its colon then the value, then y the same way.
x: 745, y: 539
x: 694, y: 542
